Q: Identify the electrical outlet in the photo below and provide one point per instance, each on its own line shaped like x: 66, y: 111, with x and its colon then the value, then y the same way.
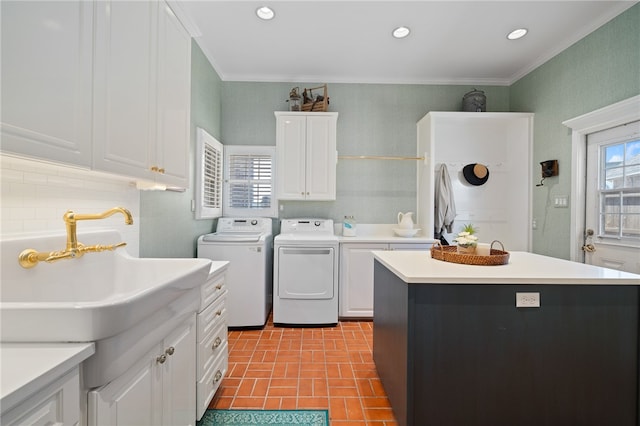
x: 527, y: 300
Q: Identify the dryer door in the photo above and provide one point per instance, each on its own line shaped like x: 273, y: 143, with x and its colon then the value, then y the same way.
x: 305, y: 272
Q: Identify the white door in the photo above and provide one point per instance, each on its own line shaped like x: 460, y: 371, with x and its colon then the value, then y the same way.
x: 612, y: 213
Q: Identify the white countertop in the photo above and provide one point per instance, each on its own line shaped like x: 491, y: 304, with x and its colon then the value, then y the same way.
x: 28, y: 367
x: 523, y: 268
x: 380, y: 233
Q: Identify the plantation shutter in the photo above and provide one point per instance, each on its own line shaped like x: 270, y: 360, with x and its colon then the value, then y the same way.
x: 249, y: 181
x: 209, y: 177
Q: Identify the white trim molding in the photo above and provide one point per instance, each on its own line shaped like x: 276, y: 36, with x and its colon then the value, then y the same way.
x: 610, y: 116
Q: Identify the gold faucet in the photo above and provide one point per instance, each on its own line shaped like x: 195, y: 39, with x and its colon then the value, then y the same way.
x: 30, y: 258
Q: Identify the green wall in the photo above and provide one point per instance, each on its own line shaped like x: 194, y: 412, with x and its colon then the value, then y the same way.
x: 167, y: 225
x: 375, y: 119
x: 601, y: 69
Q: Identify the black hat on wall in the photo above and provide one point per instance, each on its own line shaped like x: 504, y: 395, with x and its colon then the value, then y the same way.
x: 476, y: 174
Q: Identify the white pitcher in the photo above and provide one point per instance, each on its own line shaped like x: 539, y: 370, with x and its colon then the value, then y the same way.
x: 405, y: 220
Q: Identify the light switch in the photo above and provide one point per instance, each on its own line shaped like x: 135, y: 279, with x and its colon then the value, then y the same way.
x: 561, y: 201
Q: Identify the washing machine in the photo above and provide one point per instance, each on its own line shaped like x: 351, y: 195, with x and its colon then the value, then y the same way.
x: 247, y: 243
x: 305, y: 273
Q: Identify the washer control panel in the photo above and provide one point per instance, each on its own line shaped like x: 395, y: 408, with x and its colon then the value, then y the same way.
x: 259, y: 224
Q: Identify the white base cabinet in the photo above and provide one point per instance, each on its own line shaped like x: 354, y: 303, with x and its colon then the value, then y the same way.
x: 56, y: 404
x: 356, y: 276
x: 158, y: 390
x: 213, y: 347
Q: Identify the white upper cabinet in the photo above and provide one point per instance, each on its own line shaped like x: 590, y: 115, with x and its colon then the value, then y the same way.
x: 174, y: 98
x: 46, y: 80
x: 124, y: 119
x: 306, y: 153
x: 104, y: 85
x: 142, y: 92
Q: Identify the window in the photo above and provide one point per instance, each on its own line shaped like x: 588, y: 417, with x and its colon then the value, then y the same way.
x: 208, y: 176
x: 619, y: 183
x: 249, y: 181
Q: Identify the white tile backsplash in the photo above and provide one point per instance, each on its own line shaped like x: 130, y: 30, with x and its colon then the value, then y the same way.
x: 34, y: 195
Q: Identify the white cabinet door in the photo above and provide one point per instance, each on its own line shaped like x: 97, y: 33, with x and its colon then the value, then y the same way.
x: 158, y: 390
x: 174, y: 98
x: 179, y: 376
x: 46, y: 80
x: 321, y: 158
x: 142, y: 92
x: 124, y: 117
x: 135, y: 398
x: 291, y: 153
x: 306, y: 152
x: 356, y: 276
x: 356, y: 279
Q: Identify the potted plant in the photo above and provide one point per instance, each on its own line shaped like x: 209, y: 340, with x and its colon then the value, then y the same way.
x: 466, y: 240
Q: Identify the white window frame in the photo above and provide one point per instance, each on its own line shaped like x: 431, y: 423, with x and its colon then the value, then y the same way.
x: 619, y: 135
x: 258, y: 150
x: 613, y: 115
x: 205, y: 142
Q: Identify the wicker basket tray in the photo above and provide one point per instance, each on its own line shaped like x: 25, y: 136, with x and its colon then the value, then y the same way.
x: 311, y: 100
x: 450, y: 254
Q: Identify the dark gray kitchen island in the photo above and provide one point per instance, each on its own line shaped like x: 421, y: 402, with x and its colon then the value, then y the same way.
x: 452, y: 348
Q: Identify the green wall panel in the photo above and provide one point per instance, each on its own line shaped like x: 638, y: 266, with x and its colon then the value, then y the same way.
x: 601, y: 69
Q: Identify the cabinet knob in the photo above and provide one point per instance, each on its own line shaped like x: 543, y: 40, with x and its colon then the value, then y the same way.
x: 161, y: 359
x: 170, y: 350
x: 217, y: 377
x: 219, y: 313
x: 216, y: 343
x: 219, y: 286
x: 161, y: 170
x: 154, y: 168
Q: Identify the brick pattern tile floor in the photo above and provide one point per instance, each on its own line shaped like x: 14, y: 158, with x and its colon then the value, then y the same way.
x: 306, y: 368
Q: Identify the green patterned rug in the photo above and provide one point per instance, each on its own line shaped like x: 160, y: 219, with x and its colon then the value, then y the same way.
x: 265, y: 417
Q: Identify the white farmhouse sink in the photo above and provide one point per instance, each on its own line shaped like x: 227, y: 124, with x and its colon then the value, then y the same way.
x: 94, y: 297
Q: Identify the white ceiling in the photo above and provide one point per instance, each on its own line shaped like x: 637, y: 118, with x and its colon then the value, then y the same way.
x: 349, y: 41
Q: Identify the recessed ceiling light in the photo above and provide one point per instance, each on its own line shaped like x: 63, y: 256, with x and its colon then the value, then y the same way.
x: 265, y: 13
x: 516, y: 34
x: 401, y: 32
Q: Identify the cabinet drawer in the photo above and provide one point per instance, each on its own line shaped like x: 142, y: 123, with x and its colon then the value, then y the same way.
x: 211, y: 317
x: 212, y: 290
x: 210, y: 348
x: 207, y: 387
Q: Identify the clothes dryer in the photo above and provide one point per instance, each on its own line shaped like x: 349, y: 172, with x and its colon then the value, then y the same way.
x: 305, y: 273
